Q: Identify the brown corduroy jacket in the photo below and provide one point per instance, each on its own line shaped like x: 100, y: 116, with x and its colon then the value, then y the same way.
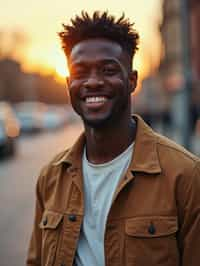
x: 155, y: 214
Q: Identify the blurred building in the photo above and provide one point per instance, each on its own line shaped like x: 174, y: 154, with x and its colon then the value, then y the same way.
x: 171, y: 65
x: 10, y: 76
x: 16, y: 85
x: 51, y: 91
x: 171, y: 62
x: 195, y: 34
x: 195, y: 41
x: 152, y: 103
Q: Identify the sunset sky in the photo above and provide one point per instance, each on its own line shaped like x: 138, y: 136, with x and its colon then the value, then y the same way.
x: 41, y: 20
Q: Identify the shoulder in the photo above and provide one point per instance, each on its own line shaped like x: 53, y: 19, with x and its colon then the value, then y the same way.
x: 176, y: 159
x: 52, y: 168
x: 171, y: 148
x: 182, y: 167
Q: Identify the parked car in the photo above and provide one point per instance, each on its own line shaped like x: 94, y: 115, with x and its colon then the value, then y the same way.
x: 9, y: 129
x: 30, y: 116
x: 54, y: 117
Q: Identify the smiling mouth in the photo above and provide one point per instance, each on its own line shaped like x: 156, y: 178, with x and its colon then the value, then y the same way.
x: 96, y: 99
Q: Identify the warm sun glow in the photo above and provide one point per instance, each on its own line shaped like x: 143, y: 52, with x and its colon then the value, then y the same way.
x: 40, y: 49
x: 55, y: 61
x: 61, y: 67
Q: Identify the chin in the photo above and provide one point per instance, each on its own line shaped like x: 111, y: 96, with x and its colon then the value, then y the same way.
x: 99, y: 122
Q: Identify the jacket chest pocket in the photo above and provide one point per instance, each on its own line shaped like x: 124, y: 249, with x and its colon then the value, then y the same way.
x: 151, y: 241
x: 51, y: 231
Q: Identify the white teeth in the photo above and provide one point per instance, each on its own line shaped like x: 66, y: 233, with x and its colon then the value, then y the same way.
x: 95, y: 99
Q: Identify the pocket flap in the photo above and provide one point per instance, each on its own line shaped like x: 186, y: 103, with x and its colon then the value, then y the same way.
x: 50, y: 220
x: 154, y: 226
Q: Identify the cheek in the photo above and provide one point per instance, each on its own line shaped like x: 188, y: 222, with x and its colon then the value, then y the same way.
x: 119, y: 85
x: 74, y: 87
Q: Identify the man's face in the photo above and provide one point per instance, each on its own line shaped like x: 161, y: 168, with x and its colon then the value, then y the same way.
x: 100, y: 81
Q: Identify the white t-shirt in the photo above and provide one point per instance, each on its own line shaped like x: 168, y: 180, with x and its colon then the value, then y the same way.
x: 100, y: 182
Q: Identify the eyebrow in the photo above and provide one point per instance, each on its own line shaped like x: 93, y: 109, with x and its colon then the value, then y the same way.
x: 86, y: 63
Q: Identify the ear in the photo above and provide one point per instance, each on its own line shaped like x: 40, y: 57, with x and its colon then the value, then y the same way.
x: 133, y: 77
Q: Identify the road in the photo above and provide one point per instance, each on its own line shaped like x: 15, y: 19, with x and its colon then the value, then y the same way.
x: 17, y: 190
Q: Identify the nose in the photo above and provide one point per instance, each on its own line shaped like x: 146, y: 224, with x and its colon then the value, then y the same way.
x: 93, y: 81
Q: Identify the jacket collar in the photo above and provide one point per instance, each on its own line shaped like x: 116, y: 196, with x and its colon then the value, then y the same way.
x: 145, y: 155
x: 73, y: 156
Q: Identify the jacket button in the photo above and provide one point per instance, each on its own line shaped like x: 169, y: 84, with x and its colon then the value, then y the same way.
x: 72, y: 217
x: 152, y: 229
x: 45, y: 221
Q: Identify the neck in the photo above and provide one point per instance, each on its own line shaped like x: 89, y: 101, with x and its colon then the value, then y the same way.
x: 104, y: 144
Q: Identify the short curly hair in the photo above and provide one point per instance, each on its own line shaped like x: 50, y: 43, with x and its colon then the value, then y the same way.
x: 100, y: 25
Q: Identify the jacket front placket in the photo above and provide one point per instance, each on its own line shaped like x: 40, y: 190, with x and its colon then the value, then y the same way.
x: 72, y: 219
x: 113, y: 250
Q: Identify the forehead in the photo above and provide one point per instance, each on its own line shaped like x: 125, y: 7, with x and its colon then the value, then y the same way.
x: 96, y: 49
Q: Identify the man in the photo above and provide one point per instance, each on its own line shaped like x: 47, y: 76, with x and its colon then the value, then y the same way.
x: 123, y: 194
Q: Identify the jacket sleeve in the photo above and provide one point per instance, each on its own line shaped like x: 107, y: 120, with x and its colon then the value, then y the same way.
x: 189, y: 219
x: 34, y: 251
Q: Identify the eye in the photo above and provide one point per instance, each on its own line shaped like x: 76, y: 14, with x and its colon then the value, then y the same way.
x: 110, y: 70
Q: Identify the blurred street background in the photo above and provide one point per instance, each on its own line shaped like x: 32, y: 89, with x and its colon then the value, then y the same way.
x: 17, y: 189
x: 36, y: 120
